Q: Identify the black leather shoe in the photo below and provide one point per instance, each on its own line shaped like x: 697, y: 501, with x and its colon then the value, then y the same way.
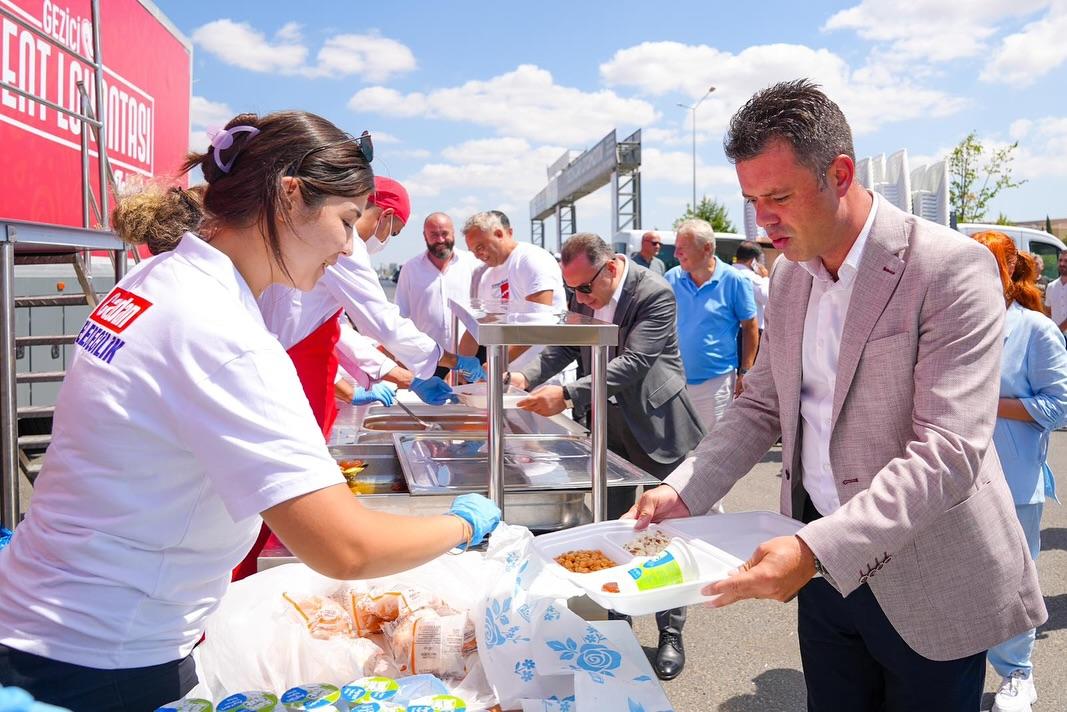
x: 613, y: 616
x: 670, y: 659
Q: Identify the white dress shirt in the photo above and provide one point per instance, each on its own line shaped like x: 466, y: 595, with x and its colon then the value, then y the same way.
x: 1056, y: 299
x: 607, y: 312
x: 823, y: 326
x: 423, y: 293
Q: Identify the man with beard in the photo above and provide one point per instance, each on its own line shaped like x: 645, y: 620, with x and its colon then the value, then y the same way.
x: 1056, y: 294
x: 429, y: 280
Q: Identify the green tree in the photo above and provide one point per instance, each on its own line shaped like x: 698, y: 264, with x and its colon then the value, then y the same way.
x: 976, y: 175
x: 711, y: 210
x: 1002, y: 219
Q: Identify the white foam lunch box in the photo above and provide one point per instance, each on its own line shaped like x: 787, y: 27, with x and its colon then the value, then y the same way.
x: 719, y: 542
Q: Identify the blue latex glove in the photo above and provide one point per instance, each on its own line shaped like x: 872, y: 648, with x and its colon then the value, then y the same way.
x: 379, y: 392
x: 471, y: 368
x: 433, y: 391
x: 5, y: 537
x: 478, y: 511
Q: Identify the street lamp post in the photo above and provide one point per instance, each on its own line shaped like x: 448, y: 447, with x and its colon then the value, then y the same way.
x: 693, y: 110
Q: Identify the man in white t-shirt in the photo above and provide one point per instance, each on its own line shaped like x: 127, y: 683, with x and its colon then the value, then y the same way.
x: 1056, y: 294
x: 747, y: 263
x: 513, y: 270
x: 428, y: 281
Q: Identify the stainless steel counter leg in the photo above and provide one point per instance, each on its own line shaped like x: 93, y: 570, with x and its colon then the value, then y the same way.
x: 599, y: 427
x: 498, y: 361
x: 455, y: 347
x: 9, y: 427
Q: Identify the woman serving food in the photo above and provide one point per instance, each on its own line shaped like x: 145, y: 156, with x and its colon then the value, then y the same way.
x: 182, y: 421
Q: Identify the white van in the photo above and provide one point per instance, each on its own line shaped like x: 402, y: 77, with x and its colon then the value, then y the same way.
x: 628, y: 242
x: 1039, y: 242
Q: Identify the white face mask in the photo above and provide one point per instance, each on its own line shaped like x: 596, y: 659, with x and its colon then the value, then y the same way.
x: 374, y: 245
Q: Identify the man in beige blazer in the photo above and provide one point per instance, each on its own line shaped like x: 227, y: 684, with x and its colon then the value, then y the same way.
x: 879, y: 369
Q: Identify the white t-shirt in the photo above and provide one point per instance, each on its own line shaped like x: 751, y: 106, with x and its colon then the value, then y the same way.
x: 180, y: 420
x: 1056, y: 299
x: 760, y: 289
x: 529, y: 269
x: 352, y: 284
x: 423, y: 293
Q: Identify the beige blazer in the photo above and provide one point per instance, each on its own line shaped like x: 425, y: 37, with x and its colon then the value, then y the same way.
x: 926, y: 518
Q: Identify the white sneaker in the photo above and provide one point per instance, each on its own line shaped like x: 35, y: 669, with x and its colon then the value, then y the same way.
x: 1017, y: 692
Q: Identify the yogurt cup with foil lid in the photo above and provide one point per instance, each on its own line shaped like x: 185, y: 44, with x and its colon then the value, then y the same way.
x: 255, y: 701
x: 376, y: 707
x: 312, y: 697
x: 438, y: 703
x: 190, y: 705
x: 370, y: 689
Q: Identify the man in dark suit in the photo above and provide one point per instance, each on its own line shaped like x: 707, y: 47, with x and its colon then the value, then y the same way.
x: 651, y: 421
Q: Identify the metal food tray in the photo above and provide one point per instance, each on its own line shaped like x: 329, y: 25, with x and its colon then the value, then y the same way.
x: 388, y: 492
x: 445, y: 463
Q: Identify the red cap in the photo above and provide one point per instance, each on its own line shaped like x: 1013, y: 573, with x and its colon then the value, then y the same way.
x: 390, y: 194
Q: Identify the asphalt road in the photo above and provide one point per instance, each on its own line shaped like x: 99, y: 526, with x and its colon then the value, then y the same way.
x: 745, y: 658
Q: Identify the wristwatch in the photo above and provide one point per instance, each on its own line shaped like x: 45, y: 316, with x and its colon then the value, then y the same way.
x: 742, y: 371
x: 567, y: 398
x: 819, y: 569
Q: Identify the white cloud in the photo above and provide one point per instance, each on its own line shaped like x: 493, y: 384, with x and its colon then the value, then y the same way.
x: 241, y: 45
x: 869, y: 99
x: 372, y: 57
x: 204, y: 115
x: 525, y: 103
x: 1042, y: 148
x: 1031, y: 53
x: 502, y: 173
x: 931, y: 29
x: 677, y: 167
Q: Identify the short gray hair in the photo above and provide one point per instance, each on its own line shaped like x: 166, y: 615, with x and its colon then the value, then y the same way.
x: 588, y: 244
x: 701, y: 231
x: 486, y: 221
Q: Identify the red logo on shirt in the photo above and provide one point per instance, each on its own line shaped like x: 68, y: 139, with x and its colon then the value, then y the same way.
x: 119, y: 310
x: 505, y: 290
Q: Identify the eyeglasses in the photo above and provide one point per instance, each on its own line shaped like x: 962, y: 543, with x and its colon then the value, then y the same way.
x: 587, y: 288
x: 650, y: 242
x: 363, y: 141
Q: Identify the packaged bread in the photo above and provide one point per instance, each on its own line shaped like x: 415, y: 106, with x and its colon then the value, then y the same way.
x: 370, y: 608
x: 324, y: 618
x: 425, y: 642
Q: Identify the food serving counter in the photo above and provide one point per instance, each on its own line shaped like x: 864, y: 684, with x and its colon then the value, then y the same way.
x: 545, y: 473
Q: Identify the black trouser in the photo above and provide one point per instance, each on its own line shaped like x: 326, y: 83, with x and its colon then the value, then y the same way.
x: 622, y: 442
x: 85, y: 689
x: 855, y: 660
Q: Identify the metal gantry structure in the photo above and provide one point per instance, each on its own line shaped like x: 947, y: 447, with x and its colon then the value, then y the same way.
x: 609, y: 161
x: 27, y: 243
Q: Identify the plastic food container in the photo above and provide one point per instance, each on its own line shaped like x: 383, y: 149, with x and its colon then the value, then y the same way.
x: 255, y: 701
x: 476, y: 395
x: 314, y: 697
x: 370, y: 689
x: 438, y: 703
x: 702, y: 550
x: 190, y: 705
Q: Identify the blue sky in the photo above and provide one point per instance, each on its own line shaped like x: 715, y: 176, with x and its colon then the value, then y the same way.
x: 470, y: 101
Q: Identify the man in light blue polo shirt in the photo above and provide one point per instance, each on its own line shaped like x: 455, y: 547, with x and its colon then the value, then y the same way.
x: 715, y: 303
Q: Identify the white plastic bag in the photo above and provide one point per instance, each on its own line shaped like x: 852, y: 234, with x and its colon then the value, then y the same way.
x: 256, y: 641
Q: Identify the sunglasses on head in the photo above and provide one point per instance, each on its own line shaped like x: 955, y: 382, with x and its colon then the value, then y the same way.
x: 363, y: 141
x: 587, y: 288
